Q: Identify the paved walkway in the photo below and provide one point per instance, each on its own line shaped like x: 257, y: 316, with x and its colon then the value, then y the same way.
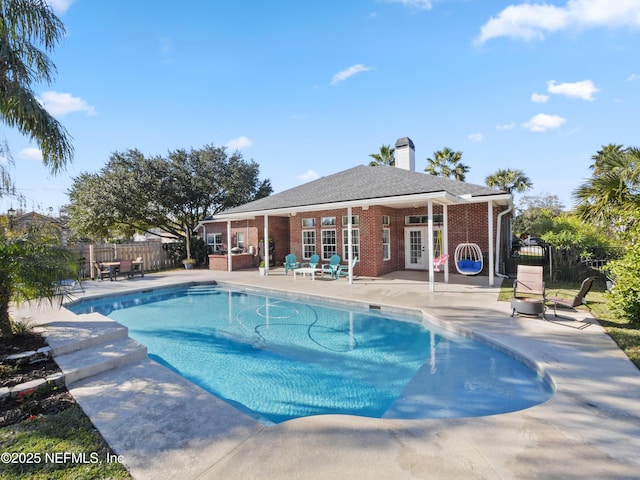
x: 165, y: 427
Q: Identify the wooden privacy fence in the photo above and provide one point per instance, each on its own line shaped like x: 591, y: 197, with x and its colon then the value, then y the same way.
x: 153, y: 254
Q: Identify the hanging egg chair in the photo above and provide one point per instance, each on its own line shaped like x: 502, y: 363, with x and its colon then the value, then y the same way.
x: 468, y: 259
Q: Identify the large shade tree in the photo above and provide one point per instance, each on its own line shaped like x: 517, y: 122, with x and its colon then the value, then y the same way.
x: 384, y: 157
x: 29, y: 31
x: 133, y: 193
x: 447, y: 163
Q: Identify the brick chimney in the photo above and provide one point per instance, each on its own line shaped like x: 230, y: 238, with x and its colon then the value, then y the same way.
x: 405, y: 154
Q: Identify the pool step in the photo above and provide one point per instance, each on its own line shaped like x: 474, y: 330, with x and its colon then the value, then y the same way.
x: 82, y: 331
x: 203, y: 290
x: 100, y: 358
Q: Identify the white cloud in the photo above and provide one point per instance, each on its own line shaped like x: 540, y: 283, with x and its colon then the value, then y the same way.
x: 239, y: 143
x: 506, y: 126
x: 60, y: 6
x: 349, y: 72
x: 531, y: 21
x: 583, y: 90
x: 543, y: 122
x: 632, y: 77
x: 417, y: 4
x: 62, y: 103
x: 539, y: 98
x: 308, y: 176
x: 30, y: 153
x: 476, y: 137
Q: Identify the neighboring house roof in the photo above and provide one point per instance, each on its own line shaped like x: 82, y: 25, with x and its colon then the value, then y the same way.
x: 368, y: 185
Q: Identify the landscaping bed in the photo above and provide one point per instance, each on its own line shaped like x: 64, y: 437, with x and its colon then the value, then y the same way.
x: 45, y: 425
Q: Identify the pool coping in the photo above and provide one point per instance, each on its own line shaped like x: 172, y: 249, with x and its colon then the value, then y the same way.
x: 591, y: 427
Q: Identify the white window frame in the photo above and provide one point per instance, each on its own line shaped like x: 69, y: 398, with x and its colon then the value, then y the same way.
x: 386, y: 244
x: 214, y: 240
x: 327, y: 250
x: 308, y: 248
x: 355, y: 220
x: 328, y: 221
x: 355, y: 247
x: 240, y: 240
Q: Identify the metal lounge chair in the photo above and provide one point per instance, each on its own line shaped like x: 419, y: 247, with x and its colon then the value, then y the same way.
x: 578, y: 300
x: 529, y: 294
x: 290, y: 263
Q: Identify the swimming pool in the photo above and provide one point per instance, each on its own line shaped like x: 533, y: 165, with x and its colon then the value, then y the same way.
x: 279, y: 358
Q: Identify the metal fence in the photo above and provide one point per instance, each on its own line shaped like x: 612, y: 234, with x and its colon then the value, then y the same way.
x: 155, y: 255
x: 560, y: 265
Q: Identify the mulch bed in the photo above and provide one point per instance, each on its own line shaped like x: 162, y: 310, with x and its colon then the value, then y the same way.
x: 32, y: 403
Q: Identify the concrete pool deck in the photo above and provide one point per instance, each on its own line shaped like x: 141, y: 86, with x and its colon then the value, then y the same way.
x: 165, y: 427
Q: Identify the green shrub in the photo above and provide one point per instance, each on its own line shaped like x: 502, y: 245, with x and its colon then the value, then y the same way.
x: 625, y: 296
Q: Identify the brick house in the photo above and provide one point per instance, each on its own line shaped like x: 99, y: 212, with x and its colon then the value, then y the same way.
x: 400, y: 219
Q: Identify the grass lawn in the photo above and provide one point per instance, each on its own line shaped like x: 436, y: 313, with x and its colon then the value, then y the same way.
x: 64, y: 445
x: 625, y: 334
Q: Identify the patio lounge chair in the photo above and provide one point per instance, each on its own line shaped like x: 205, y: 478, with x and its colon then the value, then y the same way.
x: 330, y: 267
x: 68, y: 286
x: 290, y: 263
x: 579, y: 299
x: 343, y: 270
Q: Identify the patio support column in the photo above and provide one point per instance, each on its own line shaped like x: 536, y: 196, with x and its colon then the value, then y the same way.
x: 229, y: 260
x: 266, y: 244
x: 350, y: 242
x: 490, y: 221
x: 432, y: 287
x: 445, y: 239
x: 92, y: 258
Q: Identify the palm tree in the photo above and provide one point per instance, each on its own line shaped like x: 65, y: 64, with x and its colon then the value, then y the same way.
x: 385, y: 157
x: 613, y: 192
x: 603, y: 157
x: 446, y: 163
x: 509, y: 180
x: 28, y: 31
x: 30, y: 268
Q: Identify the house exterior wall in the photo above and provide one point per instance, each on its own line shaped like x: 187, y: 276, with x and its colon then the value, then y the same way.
x: 253, y: 232
x: 466, y: 223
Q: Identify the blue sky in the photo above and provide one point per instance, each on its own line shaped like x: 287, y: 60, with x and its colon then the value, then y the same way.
x: 310, y: 88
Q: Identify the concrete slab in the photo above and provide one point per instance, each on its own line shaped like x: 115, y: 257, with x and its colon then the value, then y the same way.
x: 166, y: 427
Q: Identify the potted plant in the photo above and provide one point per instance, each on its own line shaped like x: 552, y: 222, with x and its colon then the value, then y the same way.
x: 189, y: 263
x: 262, y: 268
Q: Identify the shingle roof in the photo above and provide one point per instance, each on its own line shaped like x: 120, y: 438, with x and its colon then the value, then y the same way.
x: 363, y: 183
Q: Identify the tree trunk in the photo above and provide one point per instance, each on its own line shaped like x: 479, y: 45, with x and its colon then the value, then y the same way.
x: 188, y: 245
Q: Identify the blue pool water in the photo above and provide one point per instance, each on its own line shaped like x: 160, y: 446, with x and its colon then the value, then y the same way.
x: 278, y: 359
